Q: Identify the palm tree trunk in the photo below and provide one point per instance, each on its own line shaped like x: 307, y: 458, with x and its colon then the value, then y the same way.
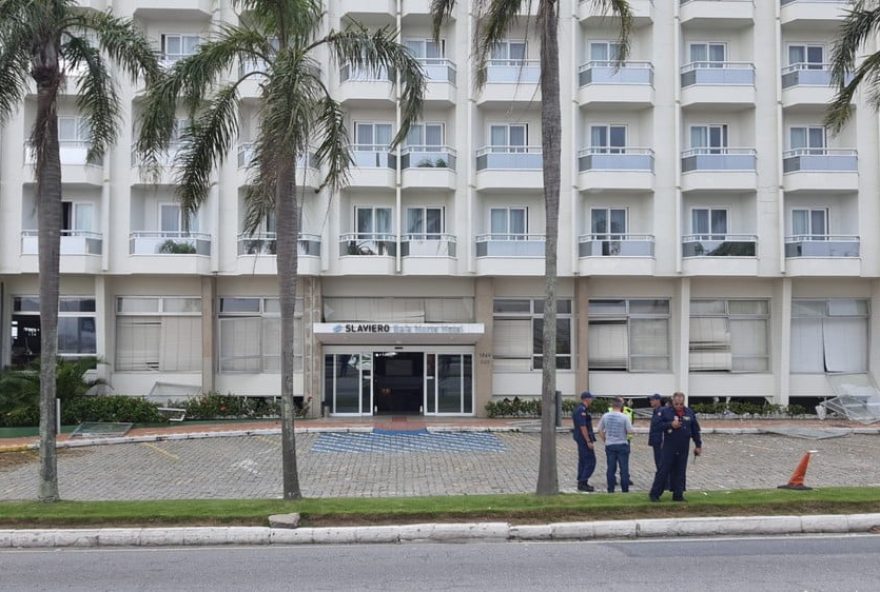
x: 551, y: 130
x: 287, y: 231
x: 49, y: 224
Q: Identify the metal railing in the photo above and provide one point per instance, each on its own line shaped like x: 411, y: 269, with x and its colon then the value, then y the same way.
x: 438, y: 69
x: 718, y: 159
x: 153, y: 242
x: 527, y: 71
x: 807, y: 74
x: 820, y: 159
x: 510, y: 157
x: 265, y: 243
x: 73, y: 242
x: 71, y: 152
x: 616, y: 245
x: 510, y: 245
x: 615, y: 158
x: 719, y: 245
x: 439, y: 157
x: 611, y: 72
x: 368, y: 244
x: 722, y: 73
x: 427, y: 245
x: 822, y: 245
x: 373, y: 156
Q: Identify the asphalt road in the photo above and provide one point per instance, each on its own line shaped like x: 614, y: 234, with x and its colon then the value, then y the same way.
x: 801, y: 564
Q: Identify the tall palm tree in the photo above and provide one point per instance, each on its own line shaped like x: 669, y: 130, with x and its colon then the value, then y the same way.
x: 43, y: 41
x: 297, y: 115
x: 493, y: 21
x: 861, y: 24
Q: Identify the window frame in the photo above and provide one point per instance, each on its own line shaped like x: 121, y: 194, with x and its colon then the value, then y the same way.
x: 625, y: 316
x: 535, y: 313
x: 730, y: 317
x: 17, y: 311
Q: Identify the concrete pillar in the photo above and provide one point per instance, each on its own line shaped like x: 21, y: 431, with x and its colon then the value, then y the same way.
x: 103, y: 315
x: 581, y: 334
x: 209, y: 298
x: 781, y: 330
x: 313, y: 351
x: 483, y: 366
x: 681, y: 352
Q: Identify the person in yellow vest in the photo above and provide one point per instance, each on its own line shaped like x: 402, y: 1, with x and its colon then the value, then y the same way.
x: 627, y: 410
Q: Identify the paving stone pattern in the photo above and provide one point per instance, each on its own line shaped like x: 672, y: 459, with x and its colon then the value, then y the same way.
x: 249, y: 467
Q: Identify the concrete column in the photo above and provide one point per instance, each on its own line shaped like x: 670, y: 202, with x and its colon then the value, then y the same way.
x: 581, y: 334
x: 874, y: 331
x: 483, y: 365
x: 209, y: 298
x: 313, y: 351
x: 681, y: 353
x: 103, y: 314
x: 781, y: 330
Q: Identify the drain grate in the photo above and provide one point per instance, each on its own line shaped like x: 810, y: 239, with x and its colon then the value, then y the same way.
x: 407, y: 442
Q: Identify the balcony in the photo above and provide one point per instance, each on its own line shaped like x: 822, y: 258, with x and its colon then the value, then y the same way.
x: 256, y: 254
x: 720, y: 254
x: 823, y: 255
x: 731, y: 169
x: 628, y: 84
x: 642, y: 12
x: 440, y: 77
x: 367, y: 253
x: 616, y: 254
x: 99, y: 5
x: 600, y: 168
x: 812, y: 12
x: 727, y: 85
x: 737, y: 13
x: 306, y: 173
x: 428, y: 254
x: 807, y: 84
x: 357, y: 9
x: 511, y: 80
x: 366, y: 87
x: 820, y: 169
x: 428, y: 167
x: 252, y: 86
x: 510, y: 167
x: 76, y: 170
x: 174, y: 10
x: 80, y: 251
x: 418, y: 8
x: 375, y: 166
x: 166, y: 172
x: 510, y: 254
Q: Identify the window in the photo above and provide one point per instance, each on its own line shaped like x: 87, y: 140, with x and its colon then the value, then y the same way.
x: 712, y: 55
x: 250, y: 336
x: 829, y: 336
x: 372, y: 221
x: 809, y: 222
x: 608, y: 222
x: 426, y: 49
x: 711, y: 138
x: 427, y: 222
x: 629, y: 335
x: 509, y: 223
x: 810, y: 140
x: 158, y: 334
x: 74, y: 131
x: 609, y: 139
x: 518, y: 334
x: 729, y: 336
x: 512, y: 137
x: 77, y: 335
x: 77, y: 216
x: 426, y: 134
x: 506, y: 52
x: 175, y: 47
x: 179, y: 131
x: 372, y: 136
x: 172, y: 220
x: 812, y: 57
x: 709, y: 223
x: 605, y: 51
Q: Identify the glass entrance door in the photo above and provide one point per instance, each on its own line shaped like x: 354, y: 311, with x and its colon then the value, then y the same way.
x: 348, y: 383
x: 449, y: 384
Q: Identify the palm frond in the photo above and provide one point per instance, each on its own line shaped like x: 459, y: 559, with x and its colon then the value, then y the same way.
x: 859, y: 25
x: 622, y: 10
x: 441, y: 11
x: 14, y: 66
x: 334, y: 149
x: 122, y: 41
x: 294, y: 20
x: 493, y: 21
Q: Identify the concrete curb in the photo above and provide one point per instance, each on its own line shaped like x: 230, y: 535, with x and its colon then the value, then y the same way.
x: 440, y: 533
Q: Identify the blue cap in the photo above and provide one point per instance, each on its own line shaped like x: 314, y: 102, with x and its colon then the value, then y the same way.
x: 655, y: 397
x: 586, y: 395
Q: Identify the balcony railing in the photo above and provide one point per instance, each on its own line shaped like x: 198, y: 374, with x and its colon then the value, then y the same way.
x: 246, y: 154
x: 427, y: 245
x: 308, y: 245
x: 784, y: 2
x: 720, y: 73
x: 822, y: 245
x: 527, y: 71
x: 373, y: 156
x: 510, y: 245
x: 438, y: 157
x: 169, y: 243
x: 719, y: 245
x: 608, y: 158
x: 616, y: 245
x: 368, y: 244
x: 73, y: 242
x: 610, y: 72
x: 70, y: 152
x: 167, y: 158
x: 438, y: 69
x: 510, y: 157
x: 820, y: 160
x: 807, y: 74
x: 349, y: 72
x: 718, y: 159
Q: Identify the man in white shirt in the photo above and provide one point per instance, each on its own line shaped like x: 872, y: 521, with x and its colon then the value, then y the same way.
x: 614, y: 427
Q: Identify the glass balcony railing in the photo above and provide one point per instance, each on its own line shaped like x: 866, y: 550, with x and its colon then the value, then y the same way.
x: 718, y: 73
x: 616, y: 245
x: 73, y: 152
x: 438, y: 69
x: 807, y: 74
x: 246, y: 154
x: 350, y: 72
x: 718, y: 159
x: 373, y: 156
x: 821, y: 245
x: 437, y: 157
x: 73, y: 242
x: 427, y: 245
x: 169, y: 243
x: 510, y: 245
x: 609, y: 72
x: 510, y: 157
x: 719, y: 245
x: 820, y: 160
x: 308, y: 245
x: 523, y: 71
x: 607, y: 158
x: 368, y: 244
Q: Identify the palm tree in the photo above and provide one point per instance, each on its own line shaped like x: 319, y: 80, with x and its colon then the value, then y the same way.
x: 44, y: 40
x: 861, y: 24
x: 493, y: 21
x: 297, y: 115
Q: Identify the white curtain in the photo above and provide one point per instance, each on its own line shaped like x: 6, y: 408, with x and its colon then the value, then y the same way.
x: 240, y: 344
x: 608, y: 345
x: 710, y: 345
x: 649, y: 344
x: 748, y: 343
x: 807, y: 346
x: 845, y: 341
x: 512, y: 344
x: 137, y: 343
x: 181, y: 344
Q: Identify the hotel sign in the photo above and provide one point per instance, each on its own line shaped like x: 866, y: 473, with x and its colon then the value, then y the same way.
x: 404, y: 328
x: 383, y: 332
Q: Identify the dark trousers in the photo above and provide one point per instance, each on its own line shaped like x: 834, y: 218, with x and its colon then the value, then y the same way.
x: 617, y: 455
x: 586, y: 462
x: 658, y: 455
x: 671, y: 474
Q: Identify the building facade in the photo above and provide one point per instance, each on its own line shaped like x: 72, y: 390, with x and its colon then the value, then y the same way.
x: 713, y: 237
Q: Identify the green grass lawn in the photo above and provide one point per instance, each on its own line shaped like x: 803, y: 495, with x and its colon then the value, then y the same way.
x: 511, y: 508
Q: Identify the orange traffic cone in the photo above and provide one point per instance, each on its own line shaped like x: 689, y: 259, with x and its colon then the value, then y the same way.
x: 797, y: 478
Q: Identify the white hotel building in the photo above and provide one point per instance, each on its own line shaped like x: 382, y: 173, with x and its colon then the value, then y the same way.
x: 713, y: 238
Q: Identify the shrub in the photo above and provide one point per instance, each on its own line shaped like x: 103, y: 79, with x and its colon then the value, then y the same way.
x: 531, y: 407
x: 172, y: 247
x: 110, y: 408
x: 20, y: 389
x: 217, y: 406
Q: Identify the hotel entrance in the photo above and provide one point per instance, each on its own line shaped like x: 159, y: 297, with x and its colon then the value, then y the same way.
x: 399, y: 381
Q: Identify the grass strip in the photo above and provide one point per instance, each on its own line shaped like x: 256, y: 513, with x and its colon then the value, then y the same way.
x: 520, y: 508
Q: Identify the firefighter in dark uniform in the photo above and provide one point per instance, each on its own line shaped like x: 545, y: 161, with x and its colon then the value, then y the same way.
x: 680, y: 426
x: 655, y: 435
x: 584, y: 436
